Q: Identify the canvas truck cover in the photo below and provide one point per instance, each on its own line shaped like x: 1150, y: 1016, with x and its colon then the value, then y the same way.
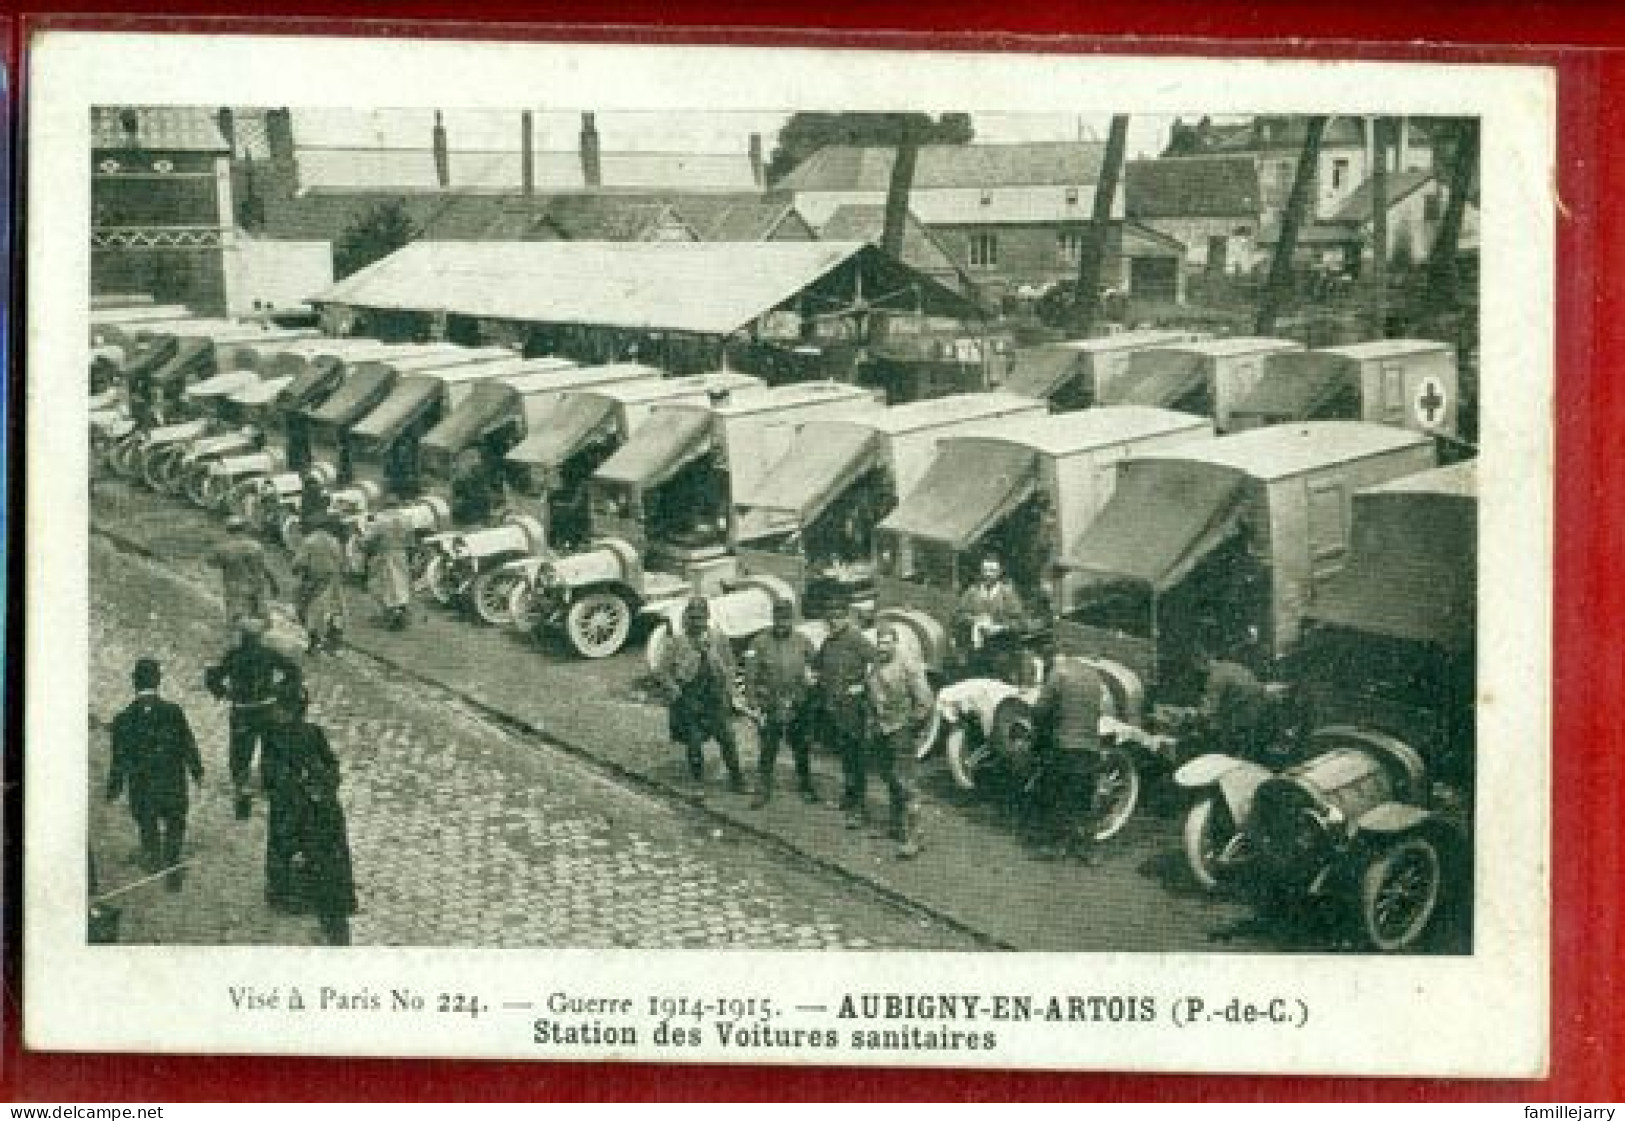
x: 1164, y: 379
x: 967, y: 490
x: 1164, y: 517
x: 190, y: 354
x: 410, y: 399
x: 363, y: 389
x: 1411, y: 572
x: 656, y: 452
x: 564, y: 430
x: 1307, y: 385
x: 487, y: 405
x: 1039, y: 371
x: 821, y: 463
x: 313, y: 382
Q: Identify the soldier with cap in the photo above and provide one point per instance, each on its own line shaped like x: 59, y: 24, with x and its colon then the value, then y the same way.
x: 778, y: 679
x: 900, y: 701
x: 841, y: 667
x: 153, y: 753
x: 990, y: 612
x: 318, y: 563
x: 1066, y: 727
x: 389, y: 544
x: 251, y: 676
x: 245, y: 572
x: 695, y: 671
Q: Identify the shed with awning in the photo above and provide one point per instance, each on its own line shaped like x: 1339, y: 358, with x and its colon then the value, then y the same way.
x: 697, y: 288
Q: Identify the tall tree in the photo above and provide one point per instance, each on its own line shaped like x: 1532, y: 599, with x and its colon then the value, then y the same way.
x: 1379, y: 223
x: 805, y: 133
x: 372, y: 236
x: 900, y: 184
x: 1297, y: 204
x: 1463, y: 169
x: 1092, y: 252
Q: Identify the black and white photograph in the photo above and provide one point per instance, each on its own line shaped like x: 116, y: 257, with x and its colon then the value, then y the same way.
x: 1022, y: 544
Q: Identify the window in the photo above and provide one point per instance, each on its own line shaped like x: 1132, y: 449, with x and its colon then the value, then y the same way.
x: 1433, y: 207
x: 984, y: 251
x: 987, y: 198
x: 1393, y: 391
x: 1069, y: 247
x: 1340, y: 173
x: 1072, y: 196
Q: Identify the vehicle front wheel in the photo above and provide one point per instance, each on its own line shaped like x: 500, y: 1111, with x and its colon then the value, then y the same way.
x: 925, y: 741
x: 598, y: 624
x: 1117, y: 792
x: 1399, y: 892
x: 977, y: 755
x: 437, y: 580
x: 490, y: 593
x: 1208, y: 829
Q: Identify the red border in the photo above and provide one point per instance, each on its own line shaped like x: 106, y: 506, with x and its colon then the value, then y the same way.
x: 1588, y: 1031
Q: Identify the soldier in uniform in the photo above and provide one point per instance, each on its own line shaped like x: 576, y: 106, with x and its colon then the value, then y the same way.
x: 245, y: 573
x: 318, y: 564
x: 153, y: 752
x: 840, y: 669
x: 250, y: 676
x: 696, y: 672
x: 990, y: 613
x: 1066, y: 725
x: 778, y: 677
x: 389, y: 543
x: 899, y: 701
x: 1235, y: 705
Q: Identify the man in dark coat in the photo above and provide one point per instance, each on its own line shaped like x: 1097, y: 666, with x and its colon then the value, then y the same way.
x: 900, y: 701
x: 307, y: 850
x: 841, y: 668
x: 778, y: 677
x: 250, y: 676
x: 153, y: 752
x: 1066, y: 726
x: 696, y: 672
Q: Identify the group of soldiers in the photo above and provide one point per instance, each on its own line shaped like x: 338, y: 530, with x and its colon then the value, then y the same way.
x: 154, y: 752
x: 860, y: 698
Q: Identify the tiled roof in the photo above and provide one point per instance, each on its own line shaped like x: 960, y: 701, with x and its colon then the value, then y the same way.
x: 414, y: 169
x: 593, y: 217
x: 162, y: 128
x: 844, y: 168
x: 447, y: 216
x: 867, y: 221
x: 1269, y: 133
x: 1400, y: 184
x: 1192, y: 187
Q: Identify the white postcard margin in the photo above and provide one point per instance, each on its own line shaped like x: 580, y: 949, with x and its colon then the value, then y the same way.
x: 1482, y: 1015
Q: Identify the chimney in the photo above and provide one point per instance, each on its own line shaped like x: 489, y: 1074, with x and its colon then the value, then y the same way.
x: 527, y: 153
x: 442, y: 155
x: 279, y: 141
x: 591, y: 159
x: 757, y: 172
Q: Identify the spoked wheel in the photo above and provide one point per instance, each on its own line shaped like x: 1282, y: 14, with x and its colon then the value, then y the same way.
x: 437, y: 579
x: 490, y: 594
x: 524, y: 606
x: 1208, y: 832
x: 598, y: 623
x: 157, y: 467
x: 1399, y: 892
x: 654, y: 651
x: 195, y: 482
x: 1117, y: 792
x: 977, y: 756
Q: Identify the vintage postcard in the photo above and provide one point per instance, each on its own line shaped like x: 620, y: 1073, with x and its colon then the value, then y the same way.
x: 788, y: 555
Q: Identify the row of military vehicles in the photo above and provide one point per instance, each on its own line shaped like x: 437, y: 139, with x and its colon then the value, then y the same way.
x: 1149, y: 494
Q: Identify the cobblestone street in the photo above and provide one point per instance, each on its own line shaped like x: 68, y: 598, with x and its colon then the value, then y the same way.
x: 460, y: 740
x: 464, y: 834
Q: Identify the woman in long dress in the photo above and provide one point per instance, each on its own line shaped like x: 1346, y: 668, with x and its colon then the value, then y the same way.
x: 389, y: 542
